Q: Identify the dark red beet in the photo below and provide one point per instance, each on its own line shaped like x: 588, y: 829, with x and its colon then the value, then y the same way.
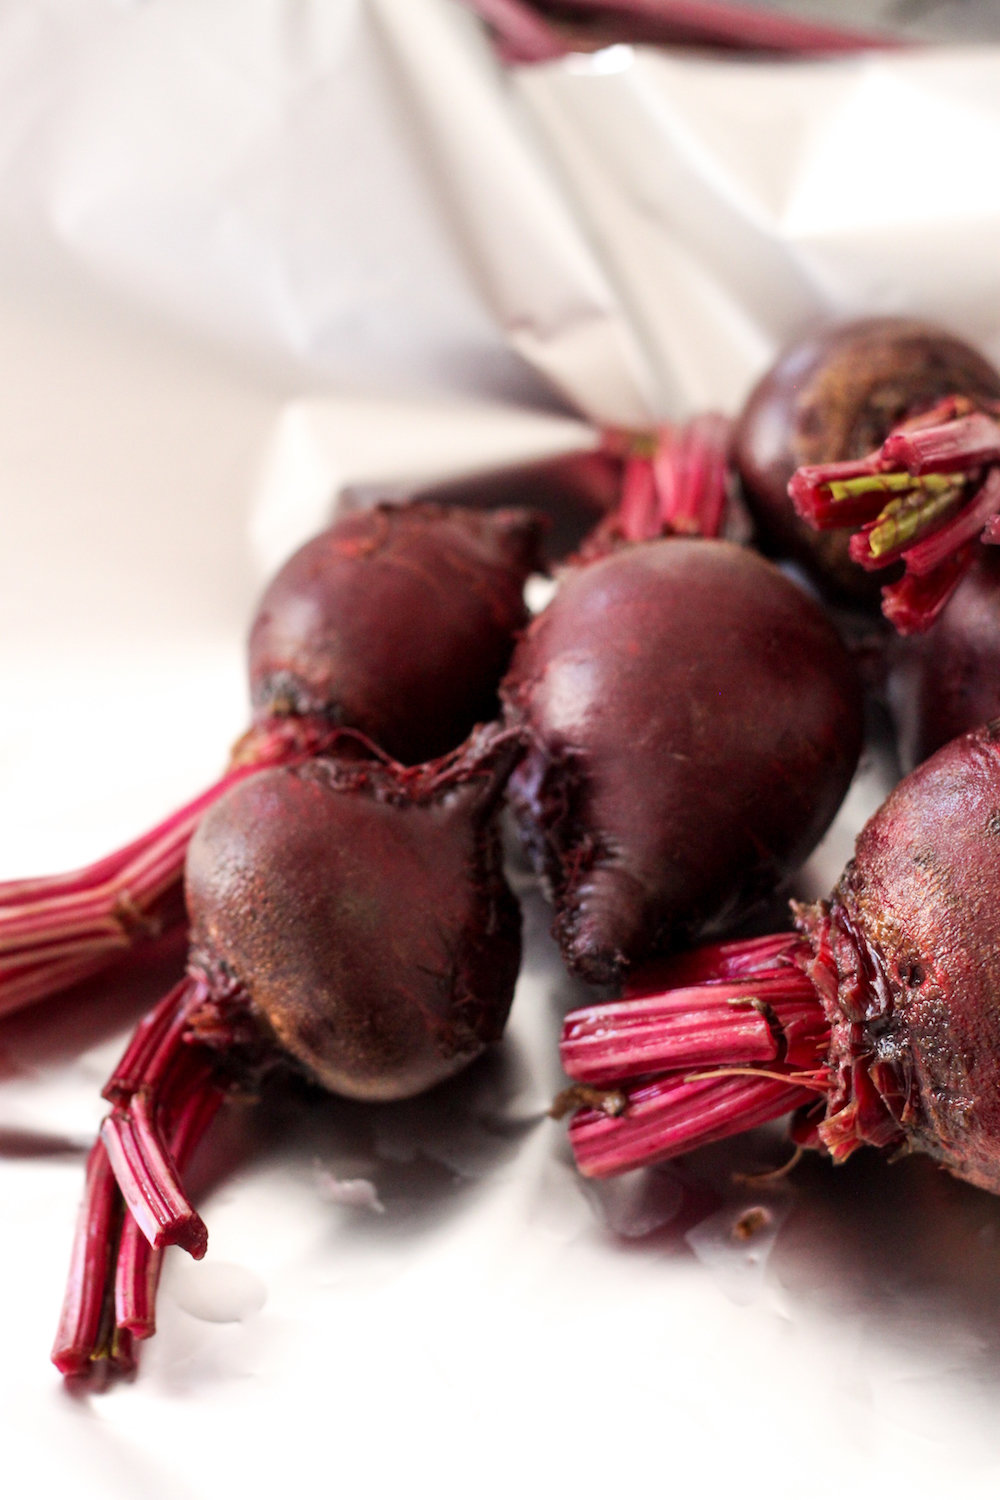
x: 880, y: 1020
x: 350, y: 920
x: 693, y: 722
x: 947, y: 681
x: 398, y: 622
x: 836, y: 396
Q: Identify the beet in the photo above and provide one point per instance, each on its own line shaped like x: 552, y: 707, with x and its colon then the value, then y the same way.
x: 877, y: 1019
x: 351, y: 921
x: 835, y: 397
x: 397, y: 621
x: 693, y: 722
x: 947, y: 681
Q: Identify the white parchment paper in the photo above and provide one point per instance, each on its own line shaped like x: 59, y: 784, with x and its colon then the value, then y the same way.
x: 254, y: 253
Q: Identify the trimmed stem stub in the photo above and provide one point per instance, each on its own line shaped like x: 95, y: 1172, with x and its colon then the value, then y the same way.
x: 675, y: 482
x: 768, y: 1027
x: 921, y: 499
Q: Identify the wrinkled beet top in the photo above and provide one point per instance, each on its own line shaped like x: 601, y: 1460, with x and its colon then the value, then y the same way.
x: 693, y: 722
x: 397, y: 621
x: 363, y: 914
x: 914, y: 928
x: 836, y: 395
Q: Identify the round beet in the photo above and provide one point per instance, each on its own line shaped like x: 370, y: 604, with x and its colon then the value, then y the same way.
x: 879, y: 1021
x: 397, y: 622
x: 350, y: 920
x: 947, y: 681
x: 834, y: 396
x: 692, y: 722
x: 364, y: 916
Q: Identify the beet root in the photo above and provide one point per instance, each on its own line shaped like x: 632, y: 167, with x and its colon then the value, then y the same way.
x: 944, y: 682
x: 835, y: 397
x: 396, y: 622
x: 878, y: 1020
x: 692, y: 722
x: 365, y: 917
x: 351, y: 922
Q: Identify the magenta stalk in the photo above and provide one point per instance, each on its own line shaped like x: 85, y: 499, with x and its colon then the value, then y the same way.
x: 57, y: 931
x: 921, y: 499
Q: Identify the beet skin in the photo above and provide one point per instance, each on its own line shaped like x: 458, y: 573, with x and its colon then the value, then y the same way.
x: 693, y: 722
x: 363, y: 916
x: 947, y: 681
x: 399, y: 622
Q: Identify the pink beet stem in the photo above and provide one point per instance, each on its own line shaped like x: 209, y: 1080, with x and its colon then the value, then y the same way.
x: 57, y: 931
x: 148, y: 1180
x: 138, y: 1269
x: 113, y: 1277
x: 707, y: 1024
x: 159, y: 1065
x: 914, y: 603
x: 965, y: 443
x: 729, y: 960
x: 670, y: 1116
x: 920, y: 498
x: 691, y: 479
x: 930, y: 553
x: 147, y: 1039
x: 759, y: 1045
x: 674, y: 482
x: 78, y: 1335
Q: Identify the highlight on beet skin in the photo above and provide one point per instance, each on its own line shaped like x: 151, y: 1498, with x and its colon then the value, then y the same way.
x: 876, y: 1020
x: 692, y: 722
x: 350, y: 920
x: 873, y: 446
x: 397, y: 622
